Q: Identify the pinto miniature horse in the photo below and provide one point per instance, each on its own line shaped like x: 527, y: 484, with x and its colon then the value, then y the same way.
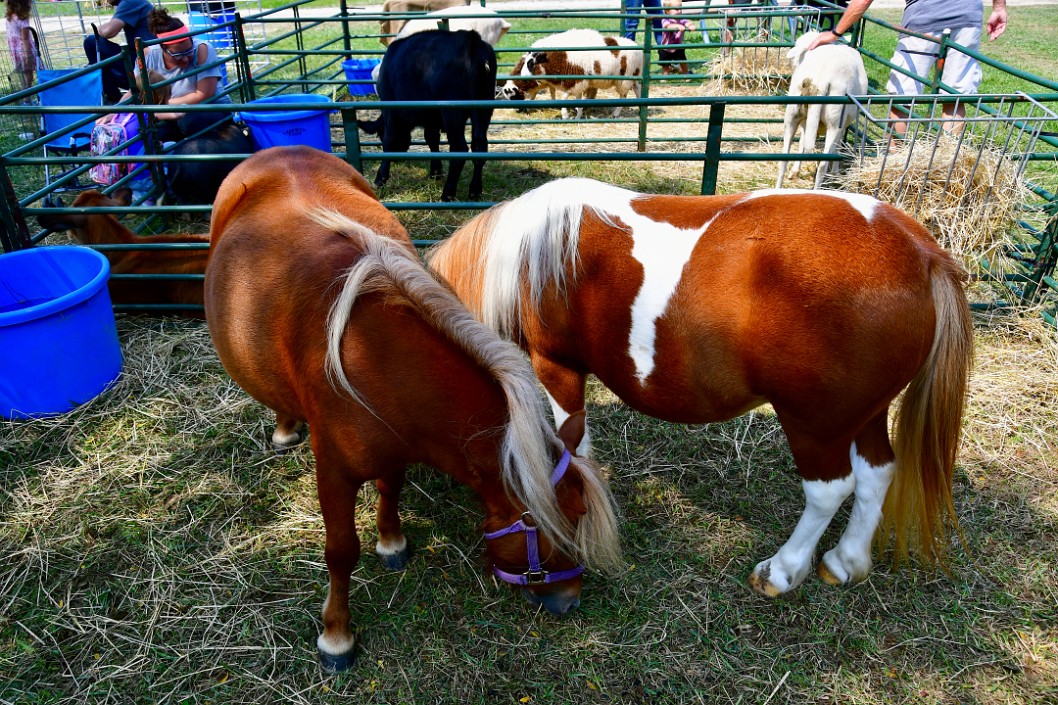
x: 321, y: 310
x: 697, y: 309
x: 105, y: 229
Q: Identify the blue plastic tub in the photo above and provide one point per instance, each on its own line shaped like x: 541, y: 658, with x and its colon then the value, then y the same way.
x: 221, y: 39
x: 280, y: 128
x: 360, y: 70
x: 58, y: 341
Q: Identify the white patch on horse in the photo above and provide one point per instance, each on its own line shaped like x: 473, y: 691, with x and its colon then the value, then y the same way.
x: 391, y: 549
x: 663, y: 250
x: 561, y: 415
x: 865, y: 205
x: 789, y: 566
x: 850, y: 560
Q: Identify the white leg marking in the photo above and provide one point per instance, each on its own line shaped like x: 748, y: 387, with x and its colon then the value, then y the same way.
x: 865, y: 205
x: 787, y: 568
x: 327, y: 646
x: 850, y: 560
x: 584, y: 447
x: 391, y: 549
x: 285, y: 439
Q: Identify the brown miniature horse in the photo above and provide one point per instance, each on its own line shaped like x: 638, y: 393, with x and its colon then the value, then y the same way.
x: 105, y: 229
x: 321, y: 310
x: 697, y: 309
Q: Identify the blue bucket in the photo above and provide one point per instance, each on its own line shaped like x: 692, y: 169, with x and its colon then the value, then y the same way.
x: 360, y: 70
x: 221, y: 39
x: 58, y: 340
x: 281, y: 128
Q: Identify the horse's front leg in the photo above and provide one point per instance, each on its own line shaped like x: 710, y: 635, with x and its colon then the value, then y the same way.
x: 337, y: 495
x: 392, y: 546
x: 565, y: 391
x: 791, y: 564
x: 873, y: 467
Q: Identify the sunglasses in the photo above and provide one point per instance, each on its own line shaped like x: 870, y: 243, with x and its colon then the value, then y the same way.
x: 179, y: 54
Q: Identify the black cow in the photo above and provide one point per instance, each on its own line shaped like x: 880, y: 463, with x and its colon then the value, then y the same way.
x: 436, y: 66
x: 197, y: 182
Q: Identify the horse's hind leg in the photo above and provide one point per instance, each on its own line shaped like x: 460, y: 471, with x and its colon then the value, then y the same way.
x: 873, y: 467
x: 337, y: 495
x: 392, y: 546
x: 288, y: 433
x: 565, y: 391
x: 815, y: 459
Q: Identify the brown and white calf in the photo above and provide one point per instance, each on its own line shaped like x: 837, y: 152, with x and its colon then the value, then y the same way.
x: 561, y: 55
x: 105, y: 229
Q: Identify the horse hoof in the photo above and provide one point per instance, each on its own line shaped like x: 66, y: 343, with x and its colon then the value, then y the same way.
x: 474, y: 196
x: 827, y: 576
x: 332, y: 663
x: 447, y: 198
x: 763, y: 586
x: 395, y: 561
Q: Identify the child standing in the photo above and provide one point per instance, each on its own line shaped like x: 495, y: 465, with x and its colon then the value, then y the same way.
x: 672, y: 28
x: 20, y: 41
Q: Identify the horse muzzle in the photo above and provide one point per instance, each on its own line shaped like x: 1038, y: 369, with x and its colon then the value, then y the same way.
x: 558, y: 604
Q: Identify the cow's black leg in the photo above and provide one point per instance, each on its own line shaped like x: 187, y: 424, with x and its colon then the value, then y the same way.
x: 479, y: 142
x: 397, y: 139
x: 454, y: 124
x: 432, y: 135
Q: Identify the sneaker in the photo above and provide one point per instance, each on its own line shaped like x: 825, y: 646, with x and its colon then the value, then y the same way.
x: 26, y: 136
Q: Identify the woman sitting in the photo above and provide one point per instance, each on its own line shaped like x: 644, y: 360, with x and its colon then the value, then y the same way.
x: 181, y: 58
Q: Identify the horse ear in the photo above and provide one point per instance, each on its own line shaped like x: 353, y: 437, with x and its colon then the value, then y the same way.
x: 122, y: 196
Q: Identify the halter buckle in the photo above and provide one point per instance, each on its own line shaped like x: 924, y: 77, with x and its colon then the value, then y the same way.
x: 535, y: 577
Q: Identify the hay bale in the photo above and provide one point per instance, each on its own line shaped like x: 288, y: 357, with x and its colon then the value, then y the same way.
x: 968, y: 196
x: 749, y: 70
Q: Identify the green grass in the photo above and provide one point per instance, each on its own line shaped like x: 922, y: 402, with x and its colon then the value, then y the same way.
x: 156, y: 550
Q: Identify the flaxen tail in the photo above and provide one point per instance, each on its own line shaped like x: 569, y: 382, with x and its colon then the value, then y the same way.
x: 919, y: 512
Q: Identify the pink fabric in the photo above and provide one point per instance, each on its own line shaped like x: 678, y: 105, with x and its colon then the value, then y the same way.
x: 22, y: 53
x: 676, y: 28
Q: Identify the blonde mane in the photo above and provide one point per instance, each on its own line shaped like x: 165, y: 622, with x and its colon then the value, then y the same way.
x: 530, y: 445
x: 528, y: 242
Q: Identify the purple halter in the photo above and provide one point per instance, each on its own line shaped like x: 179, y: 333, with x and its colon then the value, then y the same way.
x: 536, y: 575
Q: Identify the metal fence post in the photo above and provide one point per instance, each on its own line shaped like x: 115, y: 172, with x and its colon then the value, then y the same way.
x: 712, y: 148
x: 352, y: 139
x: 648, y: 35
x: 149, y: 125
x: 244, y: 59
x: 347, y: 43
x: 15, y: 234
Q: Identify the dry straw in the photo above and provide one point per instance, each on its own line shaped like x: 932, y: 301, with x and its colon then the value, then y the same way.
x: 749, y: 70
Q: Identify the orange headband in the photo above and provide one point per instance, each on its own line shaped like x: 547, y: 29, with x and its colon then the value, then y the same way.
x: 173, y: 33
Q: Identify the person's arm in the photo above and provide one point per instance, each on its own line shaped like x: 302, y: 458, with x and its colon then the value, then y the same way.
x: 205, y: 88
x: 847, y: 21
x: 997, y: 21
x: 111, y: 27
